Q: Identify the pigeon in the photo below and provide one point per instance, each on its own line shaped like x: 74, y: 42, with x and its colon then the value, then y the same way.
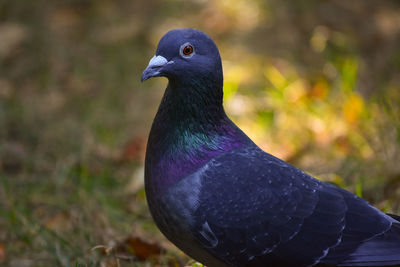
x: 225, y: 202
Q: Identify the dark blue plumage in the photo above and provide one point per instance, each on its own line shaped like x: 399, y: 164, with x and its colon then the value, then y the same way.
x: 224, y: 201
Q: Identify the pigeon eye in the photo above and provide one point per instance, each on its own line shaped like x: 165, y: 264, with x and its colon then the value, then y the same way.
x: 187, y: 50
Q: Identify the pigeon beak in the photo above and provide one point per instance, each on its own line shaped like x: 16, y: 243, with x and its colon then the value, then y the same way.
x: 154, y: 67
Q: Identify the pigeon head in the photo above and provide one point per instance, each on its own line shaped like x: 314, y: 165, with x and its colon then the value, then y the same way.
x: 187, y: 57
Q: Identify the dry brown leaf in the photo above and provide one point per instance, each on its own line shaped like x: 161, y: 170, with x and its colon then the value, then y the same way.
x: 2, y: 252
x: 134, y: 150
x: 142, y: 249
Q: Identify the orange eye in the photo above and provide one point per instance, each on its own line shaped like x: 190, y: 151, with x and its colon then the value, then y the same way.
x: 187, y: 50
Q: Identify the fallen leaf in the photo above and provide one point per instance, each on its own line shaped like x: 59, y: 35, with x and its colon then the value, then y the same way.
x: 2, y: 252
x: 134, y: 150
x: 142, y: 249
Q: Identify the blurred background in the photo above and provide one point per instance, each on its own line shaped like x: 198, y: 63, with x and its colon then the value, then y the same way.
x: 316, y: 83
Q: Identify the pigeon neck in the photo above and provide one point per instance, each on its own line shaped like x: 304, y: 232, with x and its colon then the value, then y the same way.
x: 196, y: 94
x: 189, y: 106
x: 185, y: 135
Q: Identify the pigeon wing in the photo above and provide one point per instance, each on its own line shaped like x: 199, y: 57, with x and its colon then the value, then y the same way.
x: 255, y: 209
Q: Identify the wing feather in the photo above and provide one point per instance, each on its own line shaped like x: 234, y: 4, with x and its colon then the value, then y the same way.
x: 260, y: 209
